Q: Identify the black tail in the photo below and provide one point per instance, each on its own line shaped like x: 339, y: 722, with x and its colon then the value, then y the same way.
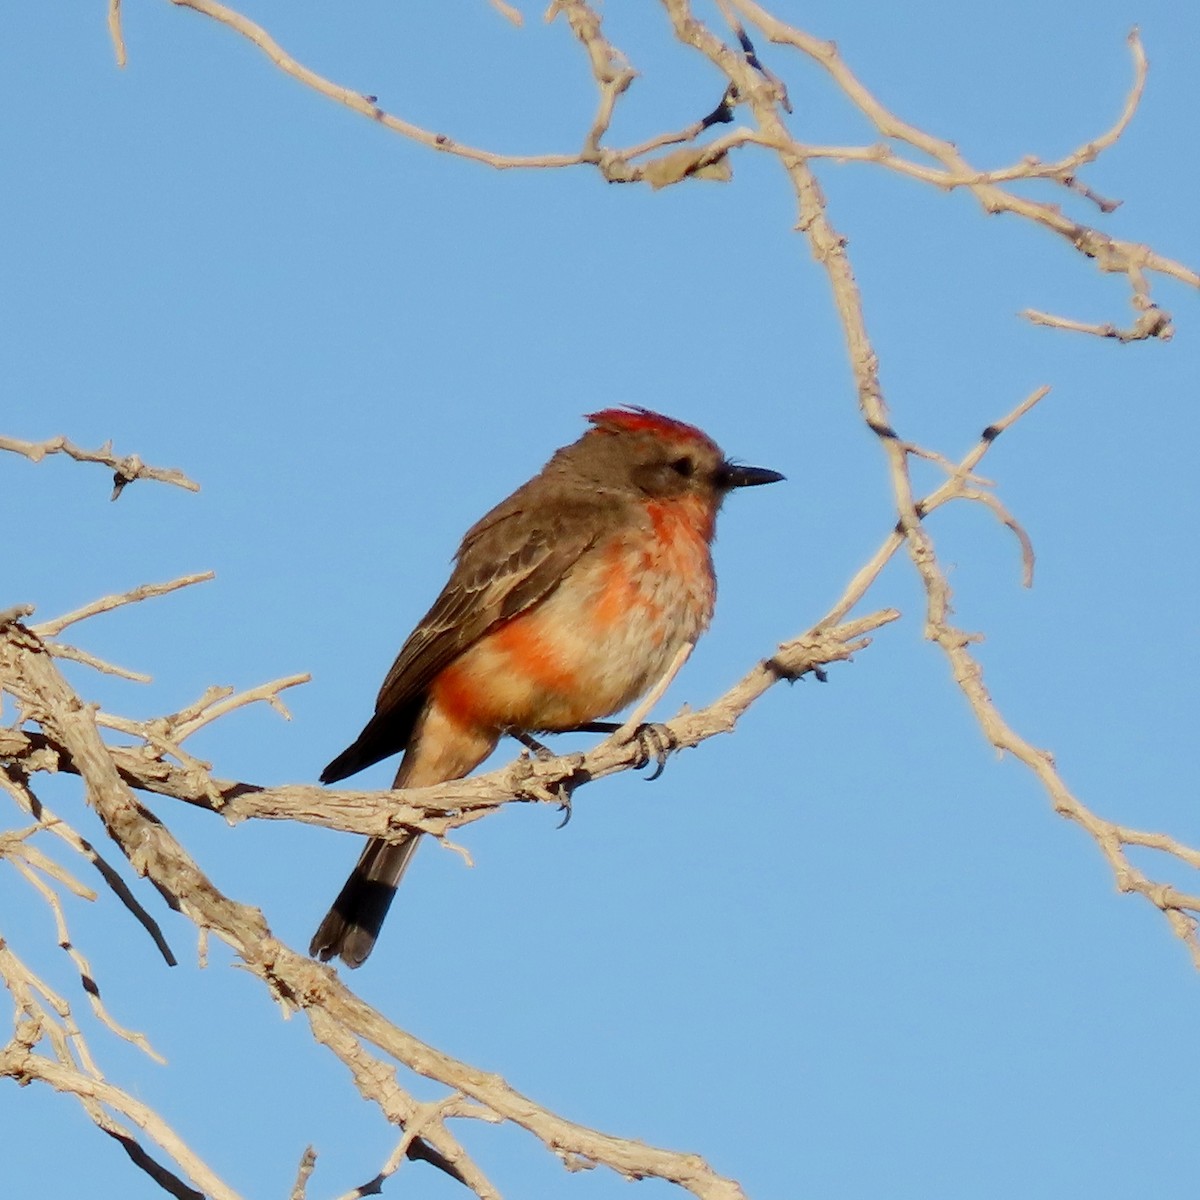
x: 385, y: 734
x: 351, y: 926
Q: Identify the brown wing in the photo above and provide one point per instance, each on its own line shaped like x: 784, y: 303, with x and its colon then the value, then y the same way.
x: 507, y: 563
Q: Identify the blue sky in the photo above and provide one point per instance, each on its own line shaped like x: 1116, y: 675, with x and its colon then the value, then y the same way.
x: 844, y: 952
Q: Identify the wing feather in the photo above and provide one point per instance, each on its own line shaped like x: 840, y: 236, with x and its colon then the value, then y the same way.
x: 510, y: 561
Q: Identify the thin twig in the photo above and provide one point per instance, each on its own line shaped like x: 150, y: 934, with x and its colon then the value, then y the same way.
x: 145, y: 591
x: 21, y: 794
x: 364, y: 104
x: 115, y: 31
x: 26, y: 1067
x: 125, y: 469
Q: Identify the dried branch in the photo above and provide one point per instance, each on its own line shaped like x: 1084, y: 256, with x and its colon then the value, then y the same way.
x: 422, y: 1117
x: 609, y: 68
x: 1152, y: 323
x: 440, y: 809
x: 43, y: 1016
x: 829, y: 249
x: 508, y: 12
x: 125, y: 470
x: 87, y: 659
x: 366, y: 105
x: 297, y: 981
x: 743, y: 68
x: 1110, y: 254
x: 362, y: 1039
x: 308, y: 1162
x: 145, y: 591
x: 15, y: 612
x: 18, y: 746
x: 19, y: 1063
x: 86, y: 977
x: 116, y: 33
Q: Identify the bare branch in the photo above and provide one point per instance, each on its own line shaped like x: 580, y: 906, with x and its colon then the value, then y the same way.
x: 1153, y: 323
x: 362, y: 1039
x: 218, y: 702
x: 26, y: 1067
x: 88, y: 659
x: 125, y: 470
x: 145, y: 591
x: 308, y: 1162
x: 19, y: 746
x: 16, y: 612
x: 297, y: 981
x: 508, y: 12
x: 87, y: 978
x: 1110, y: 254
x: 829, y: 249
x: 363, y: 104
x: 609, y: 68
x: 444, y: 807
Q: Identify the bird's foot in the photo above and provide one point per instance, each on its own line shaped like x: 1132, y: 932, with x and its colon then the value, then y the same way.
x: 543, y: 753
x: 655, y: 742
x: 790, y: 674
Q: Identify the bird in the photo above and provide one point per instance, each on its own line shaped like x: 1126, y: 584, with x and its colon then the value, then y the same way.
x: 567, y: 602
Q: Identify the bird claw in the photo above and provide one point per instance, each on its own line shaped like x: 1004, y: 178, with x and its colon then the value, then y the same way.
x: 655, y: 743
x: 790, y: 674
x: 564, y: 805
x: 562, y: 789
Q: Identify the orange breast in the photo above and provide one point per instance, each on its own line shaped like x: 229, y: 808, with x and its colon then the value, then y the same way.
x: 603, y: 637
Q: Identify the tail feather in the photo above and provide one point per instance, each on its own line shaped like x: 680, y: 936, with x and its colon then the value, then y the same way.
x: 386, y: 733
x: 351, y: 926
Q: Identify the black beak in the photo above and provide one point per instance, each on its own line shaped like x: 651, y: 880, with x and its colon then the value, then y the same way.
x: 731, y: 475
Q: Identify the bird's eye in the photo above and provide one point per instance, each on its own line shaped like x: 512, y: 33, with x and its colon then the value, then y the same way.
x: 683, y: 466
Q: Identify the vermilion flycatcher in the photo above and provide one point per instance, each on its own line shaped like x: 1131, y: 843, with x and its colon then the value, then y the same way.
x: 567, y: 602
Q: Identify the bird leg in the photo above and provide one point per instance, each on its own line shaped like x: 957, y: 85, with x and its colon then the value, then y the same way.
x: 538, y: 749
x: 654, y: 740
x: 627, y: 731
x: 543, y: 752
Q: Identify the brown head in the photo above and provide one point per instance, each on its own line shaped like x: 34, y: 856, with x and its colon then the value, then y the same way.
x: 637, y: 452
